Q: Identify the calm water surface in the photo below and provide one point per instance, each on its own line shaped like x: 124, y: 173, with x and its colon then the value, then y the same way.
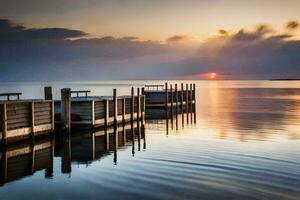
x: 245, y: 145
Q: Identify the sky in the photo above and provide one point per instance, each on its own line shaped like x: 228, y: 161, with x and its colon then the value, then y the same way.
x: 143, y: 39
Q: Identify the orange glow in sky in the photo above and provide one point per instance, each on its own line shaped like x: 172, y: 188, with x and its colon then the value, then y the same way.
x: 213, y: 75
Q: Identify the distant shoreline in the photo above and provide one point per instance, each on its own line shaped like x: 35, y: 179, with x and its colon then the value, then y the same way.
x: 285, y: 79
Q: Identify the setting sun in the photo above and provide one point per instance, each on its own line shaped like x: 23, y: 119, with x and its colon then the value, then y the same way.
x: 213, y: 75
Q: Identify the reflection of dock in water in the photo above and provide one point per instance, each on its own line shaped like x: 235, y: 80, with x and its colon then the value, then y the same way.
x: 23, y: 159
x: 87, y: 147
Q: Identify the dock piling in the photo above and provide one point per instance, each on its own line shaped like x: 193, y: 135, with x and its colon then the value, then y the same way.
x: 194, y: 98
x: 187, y: 103
x: 181, y: 104
x: 191, y: 102
x: 106, y: 123
x: 115, y: 107
x: 138, y: 115
x: 132, y: 114
x: 167, y: 100
x: 176, y: 104
x: 66, y: 109
x: 4, y: 122
x: 48, y: 93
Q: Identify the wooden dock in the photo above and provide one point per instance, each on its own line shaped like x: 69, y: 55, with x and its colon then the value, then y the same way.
x: 166, y: 101
x: 25, y: 118
x: 98, y: 111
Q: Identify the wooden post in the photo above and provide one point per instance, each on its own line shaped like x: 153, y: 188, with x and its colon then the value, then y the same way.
x: 48, y: 93
x: 115, y: 119
x: 48, y: 96
x: 167, y: 101
x: 93, y: 112
x: 65, y: 109
x: 138, y: 116
x: 176, y: 104
x: 194, y: 97
x: 143, y: 110
x: 123, y: 111
x: 4, y: 123
x: 106, y: 123
x: 171, y: 88
x: 187, y: 103
x: 132, y: 115
x: 32, y: 120
x: 181, y: 104
x: 191, y: 102
x: 115, y: 107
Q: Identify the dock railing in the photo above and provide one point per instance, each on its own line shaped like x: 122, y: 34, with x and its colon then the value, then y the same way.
x: 154, y: 87
x: 8, y: 95
x: 77, y: 92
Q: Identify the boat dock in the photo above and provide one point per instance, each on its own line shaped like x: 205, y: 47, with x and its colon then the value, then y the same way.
x: 27, y: 118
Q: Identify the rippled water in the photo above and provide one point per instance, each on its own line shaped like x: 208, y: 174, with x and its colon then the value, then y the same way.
x: 244, y: 145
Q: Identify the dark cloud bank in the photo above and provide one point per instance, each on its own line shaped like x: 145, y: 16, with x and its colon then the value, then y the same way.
x: 62, y: 54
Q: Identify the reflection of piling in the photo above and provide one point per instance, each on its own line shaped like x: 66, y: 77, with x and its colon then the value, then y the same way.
x: 3, y: 166
x: 187, y: 102
x: 65, y: 109
x: 49, y: 171
x: 66, y: 155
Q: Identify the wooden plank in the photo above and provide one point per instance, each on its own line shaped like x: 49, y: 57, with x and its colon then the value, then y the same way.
x: 187, y: 103
x: 4, y: 121
x: 93, y: 112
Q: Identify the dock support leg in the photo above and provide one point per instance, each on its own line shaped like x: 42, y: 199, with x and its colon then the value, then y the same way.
x: 4, y: 123
x: 66, y: 109
x: 176, y: 104
x: 187, y: 103
x: 132, y: 113
x: 124, y: 121
x: 171, y: 90
x: 115, y: 119
x: 48, y: 93
x: 194, y: 97
x: 181, y: 104
x: 138, y: 110
x: 32, y: 120
x: 167, y: 101
x: 106, y: 124
x: 191, y: 102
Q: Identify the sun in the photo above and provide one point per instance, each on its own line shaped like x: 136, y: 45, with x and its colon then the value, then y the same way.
x: 213, y: 75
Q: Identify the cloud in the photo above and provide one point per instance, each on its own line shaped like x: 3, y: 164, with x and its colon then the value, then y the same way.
x: 11, y: 31
x: 222, y: 32
x: 258, y: 54
x: 49, y: 54
x: 178, y: 39
x: 292, y: 25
